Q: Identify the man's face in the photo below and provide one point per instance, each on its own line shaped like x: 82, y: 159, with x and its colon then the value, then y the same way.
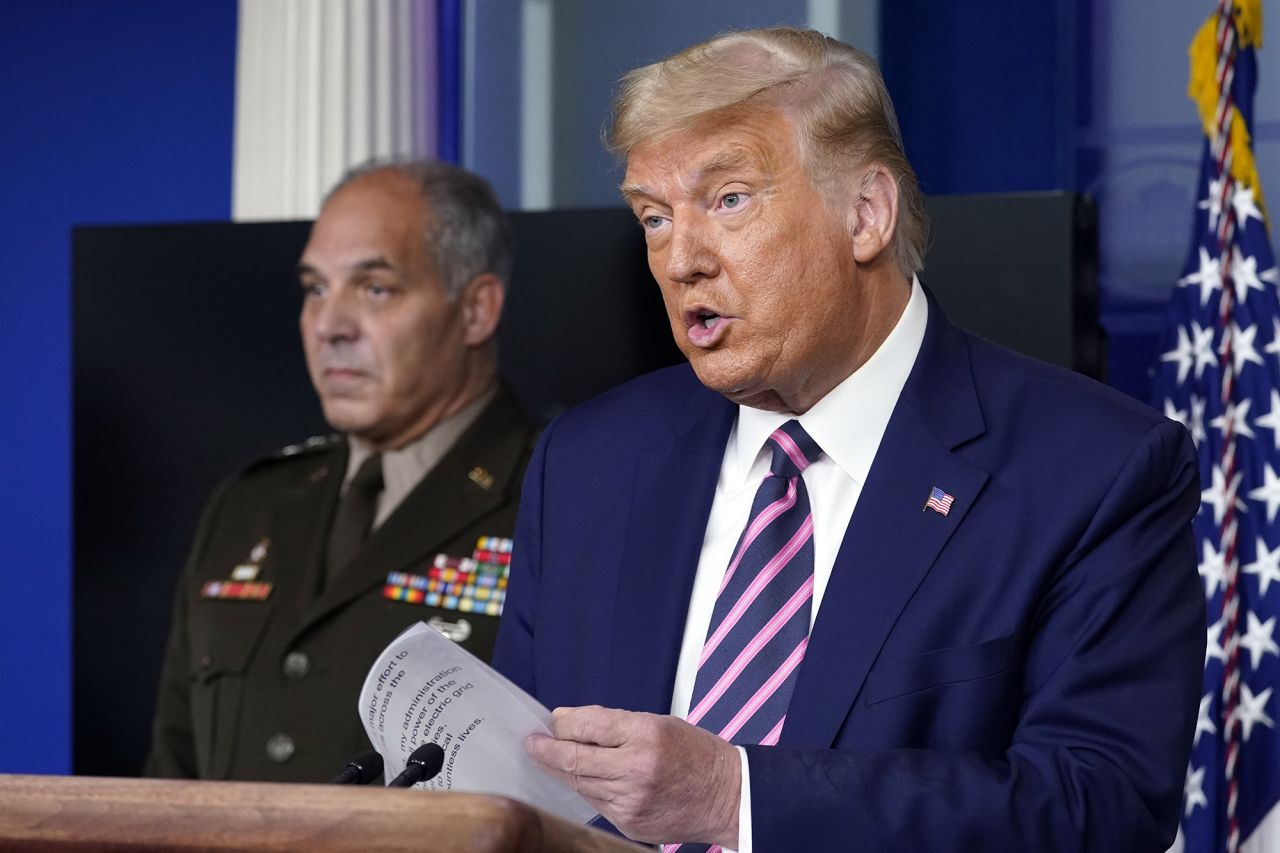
x: 384, y: 343
x: 756, y: 267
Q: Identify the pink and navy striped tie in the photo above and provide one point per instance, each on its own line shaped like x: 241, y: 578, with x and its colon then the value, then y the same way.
x: 760, y: 623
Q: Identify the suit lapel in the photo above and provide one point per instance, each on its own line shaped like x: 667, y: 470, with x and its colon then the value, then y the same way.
x: 303, y: 510
x: 892, y: 541
x: 660, y: 559
x: 439, y: 508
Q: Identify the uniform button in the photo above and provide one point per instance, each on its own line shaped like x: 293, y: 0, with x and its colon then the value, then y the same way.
x: 206, y: 662
x: 280, y: 748
x: 296, y: 664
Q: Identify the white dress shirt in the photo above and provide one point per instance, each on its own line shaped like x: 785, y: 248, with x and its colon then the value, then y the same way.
x: 847, y: 424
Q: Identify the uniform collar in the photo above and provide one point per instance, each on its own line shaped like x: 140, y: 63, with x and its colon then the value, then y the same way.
x: 404, y: 467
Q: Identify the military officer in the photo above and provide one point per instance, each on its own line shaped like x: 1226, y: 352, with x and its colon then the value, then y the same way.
x: 308, y: 563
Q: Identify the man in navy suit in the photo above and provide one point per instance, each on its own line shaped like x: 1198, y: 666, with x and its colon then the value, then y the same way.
x: 917, y: 592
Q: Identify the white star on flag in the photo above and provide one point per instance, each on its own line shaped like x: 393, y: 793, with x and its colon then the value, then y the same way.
x: 1197, y: 420
x: 1173, y: 413
x: 1271, y: 420
x: 1219, y: 494
x: 1213, y: 569
x: 1274, y: 347
x: 1244, y: 276
x: 1203, y: 723
x: 1193, y: 791
x: 1203, y: 345
x: 1258, y: 639
x: 1269, y: 492
x: 1194, y: 350
x: 1213, y: 649
x: 1245, y: 206
x: 1252, y: 710
x: 1183, y: 354
x: 1213, y: 202
x: 1266, y: 565
x: 1208, y: 277
x: 1242, y: 349
x: 1235, y: 415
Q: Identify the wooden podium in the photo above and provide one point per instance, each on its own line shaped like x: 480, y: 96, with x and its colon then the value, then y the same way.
x: 83, y: 813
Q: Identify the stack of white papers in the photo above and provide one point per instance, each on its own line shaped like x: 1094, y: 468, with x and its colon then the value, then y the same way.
x: 424, y: 688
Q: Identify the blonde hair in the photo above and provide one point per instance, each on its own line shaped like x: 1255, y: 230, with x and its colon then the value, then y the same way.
x: 832, y: 92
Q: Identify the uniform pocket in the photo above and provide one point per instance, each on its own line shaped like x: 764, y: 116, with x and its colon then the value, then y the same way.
x: 223, y: 639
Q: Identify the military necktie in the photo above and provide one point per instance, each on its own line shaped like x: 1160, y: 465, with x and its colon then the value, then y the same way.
x: 354, y: 516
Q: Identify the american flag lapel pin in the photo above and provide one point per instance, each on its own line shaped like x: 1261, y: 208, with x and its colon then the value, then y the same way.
x: 939, y: 501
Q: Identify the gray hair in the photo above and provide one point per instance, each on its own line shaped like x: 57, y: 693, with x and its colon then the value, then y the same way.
x: 468, y: 232
x: 833, y: 93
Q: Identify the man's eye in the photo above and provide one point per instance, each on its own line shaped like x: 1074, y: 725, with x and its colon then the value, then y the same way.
x: 378, y: 289
x: 732, y: 200
x: 651, y: 222
x: 312, y: 289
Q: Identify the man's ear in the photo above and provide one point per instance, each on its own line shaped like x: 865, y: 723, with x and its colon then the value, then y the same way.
x: 874, y: 218
x: 481, y: 302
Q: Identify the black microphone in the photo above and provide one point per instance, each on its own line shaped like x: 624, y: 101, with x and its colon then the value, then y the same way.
x: 423, y: 764
x: 361, y: 770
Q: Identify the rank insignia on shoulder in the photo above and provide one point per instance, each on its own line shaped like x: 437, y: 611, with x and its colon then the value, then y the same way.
x: 314, y: 446
x: 312, y: 443
x: 235, y: 591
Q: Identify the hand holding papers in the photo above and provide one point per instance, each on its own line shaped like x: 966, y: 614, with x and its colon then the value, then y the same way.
x: 426, y: 689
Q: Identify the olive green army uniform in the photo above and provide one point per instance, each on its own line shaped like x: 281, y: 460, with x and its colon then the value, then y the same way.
x: 266, y: 688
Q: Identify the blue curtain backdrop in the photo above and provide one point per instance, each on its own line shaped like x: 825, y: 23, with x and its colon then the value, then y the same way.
x: 449, y: 85
x: 985, y: 92
x: 113, y: 113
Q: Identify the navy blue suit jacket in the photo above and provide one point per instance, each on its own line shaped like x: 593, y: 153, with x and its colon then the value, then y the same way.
x: 1022, y: 674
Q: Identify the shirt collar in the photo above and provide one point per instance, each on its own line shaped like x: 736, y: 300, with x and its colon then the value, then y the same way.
x: 850, y: 420
x: 403, y: 467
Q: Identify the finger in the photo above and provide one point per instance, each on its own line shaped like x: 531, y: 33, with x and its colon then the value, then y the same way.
x: 566, y: 779
x: 592, y: 724
x: 596, y: 791
x: 599, y: 792
x: 572, y: 758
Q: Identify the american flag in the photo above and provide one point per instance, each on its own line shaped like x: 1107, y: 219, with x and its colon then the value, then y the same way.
x: 1219, y: 373
x: 939, y: 501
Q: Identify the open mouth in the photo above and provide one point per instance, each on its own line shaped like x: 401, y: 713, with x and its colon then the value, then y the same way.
x: 706, y: 327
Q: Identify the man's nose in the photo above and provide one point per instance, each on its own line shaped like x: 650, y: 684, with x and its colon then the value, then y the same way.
x: 335, y: 317
x: 691, y: 254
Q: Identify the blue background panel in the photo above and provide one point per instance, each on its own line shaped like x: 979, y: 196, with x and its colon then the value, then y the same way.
x: 113, y: 112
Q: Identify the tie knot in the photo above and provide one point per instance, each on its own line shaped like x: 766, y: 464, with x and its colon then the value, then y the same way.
x: 793, y: 450
x: 368, y: 477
